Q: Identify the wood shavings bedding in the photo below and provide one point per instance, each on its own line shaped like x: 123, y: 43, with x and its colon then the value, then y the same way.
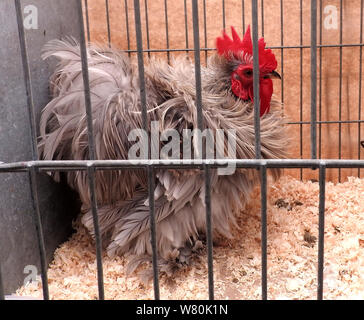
x: 292, y: 253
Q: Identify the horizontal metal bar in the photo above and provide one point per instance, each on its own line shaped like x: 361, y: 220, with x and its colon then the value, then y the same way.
x: 65, y: 165
x: 327, y: 122
x: 272, y: 47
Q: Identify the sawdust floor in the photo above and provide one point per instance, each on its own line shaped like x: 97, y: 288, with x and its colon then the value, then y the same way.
x: 292, y: 253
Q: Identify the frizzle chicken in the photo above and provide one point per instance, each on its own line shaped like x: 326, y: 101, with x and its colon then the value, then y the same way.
x: 122, y: 195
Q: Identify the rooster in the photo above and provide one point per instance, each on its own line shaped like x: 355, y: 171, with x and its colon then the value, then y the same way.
x: 122, y: 195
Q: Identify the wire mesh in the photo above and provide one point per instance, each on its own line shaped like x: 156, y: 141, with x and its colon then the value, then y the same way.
x: 35, y: 166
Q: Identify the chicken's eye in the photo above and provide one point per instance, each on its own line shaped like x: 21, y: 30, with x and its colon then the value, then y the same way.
x: 248, y: 73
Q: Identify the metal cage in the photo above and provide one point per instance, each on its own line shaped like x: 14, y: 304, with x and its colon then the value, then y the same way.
x: 35, y: 166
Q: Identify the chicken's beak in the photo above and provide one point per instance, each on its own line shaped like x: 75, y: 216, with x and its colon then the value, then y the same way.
x: 274, y: 75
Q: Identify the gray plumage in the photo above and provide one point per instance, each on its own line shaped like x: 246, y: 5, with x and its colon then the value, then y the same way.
x: 122, y: 194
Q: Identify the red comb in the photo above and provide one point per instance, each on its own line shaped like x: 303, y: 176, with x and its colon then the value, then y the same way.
x: 235, y: 46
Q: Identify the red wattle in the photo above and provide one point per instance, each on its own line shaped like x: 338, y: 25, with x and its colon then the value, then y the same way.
x: 265, y: 93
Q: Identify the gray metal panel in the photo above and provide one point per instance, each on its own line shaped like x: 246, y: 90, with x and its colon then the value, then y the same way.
x: 18, y: 242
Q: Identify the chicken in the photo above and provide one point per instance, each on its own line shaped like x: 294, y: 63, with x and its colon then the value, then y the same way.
x: 122, y: 195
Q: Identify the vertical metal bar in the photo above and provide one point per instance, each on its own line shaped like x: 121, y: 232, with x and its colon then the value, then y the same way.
x: 223, y: 15
x: 340, y: 83
x: 243, y: 14
x: 313, y: 78
x: 108, y: 22
x: 151, y: 187
x: 166, y: 21
x: 210, y: 260
x: 196, y: 41
x: 360, y: 79
x: 87, y: 22
x: 34, y: 149
x: 263, y: 195
x: 301, y: 87
x: 320, y: 85
x: 205, y: 28
x: 139, y: 39
x: 147, y: 25
x: 320, y: 275
x: 2, y: 291
x: 127, y: 25
x: 39, y: 230
x: 256, y: 79
x: 27, y: 80
x: 98, y: 241
x: 86, y: 84
x: 91, y: 148
x: 186, y: 24
x: 262, y: 17
x: 282, y: 53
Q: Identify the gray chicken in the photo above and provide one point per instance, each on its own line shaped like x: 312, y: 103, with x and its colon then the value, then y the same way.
x: 122, y: 195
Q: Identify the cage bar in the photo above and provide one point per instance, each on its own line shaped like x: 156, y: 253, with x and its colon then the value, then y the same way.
x: 67, y: 165
x: 127, y: 27
x: 2, y: 294
x: 263, y: 197
x: 320, y: 275
x: 98, y: 241
x: 256, y: 79
x: 27, y: 80
x: 196, y: 41
x: 313, y: 78
x: 151, y: 187
x: 108, y: 22
x: 166, y: 25
x: 223, y: 15
x: 204, y: 29
x: 326, y: 122
x: 91, y: 148
x: 87, y: 22
x: 320, y: 86
x: 210, y: 265
x: 282, y: 52
x: 147, y: 25
x: 340, y: 86
x: 186, y: 23
x: 34, y: 149
x: 262, y: 17
x: 39, y: 230
x: 151, y: 177
x: 301, y: 87
x: 243, y: 14
x: 268, y: 47
x: 360, y: 78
